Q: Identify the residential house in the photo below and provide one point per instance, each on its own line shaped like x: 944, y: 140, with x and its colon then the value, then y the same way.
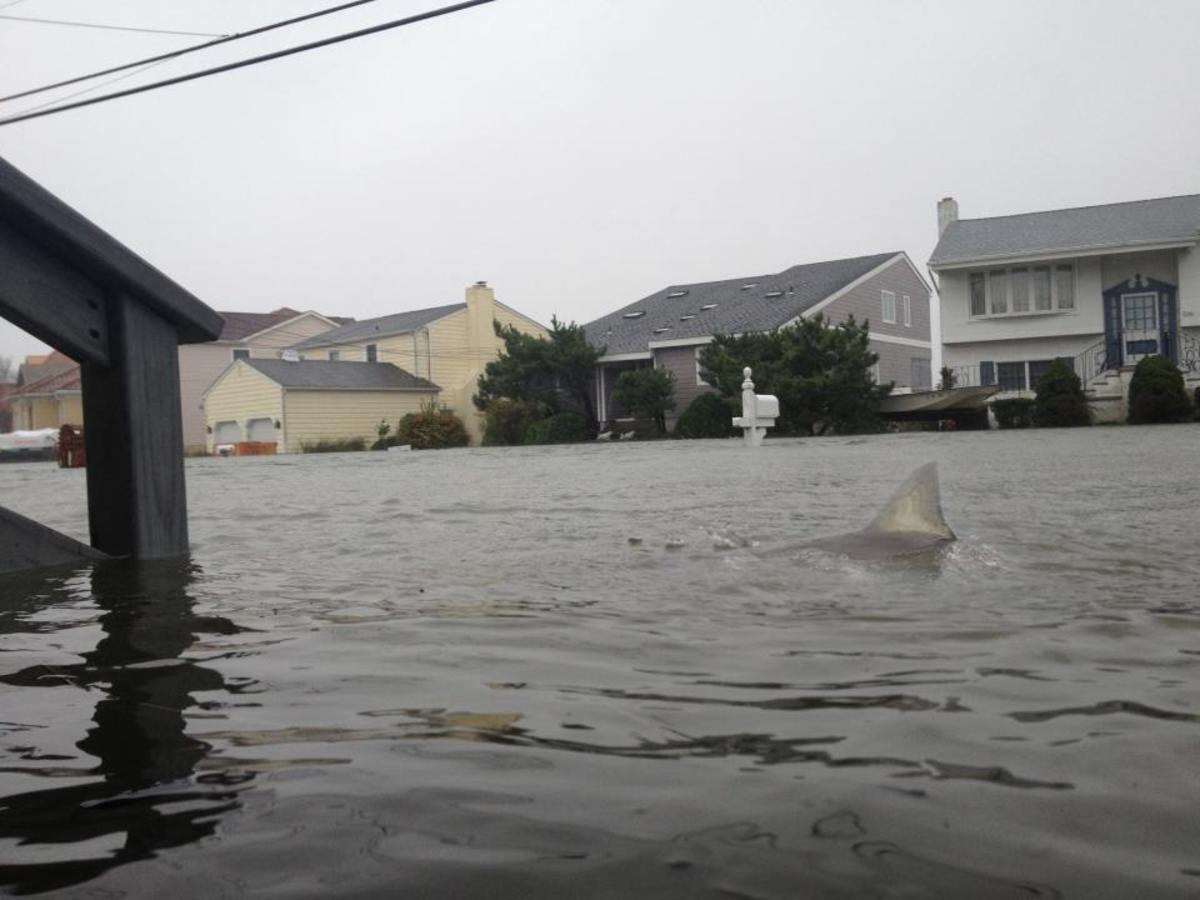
x: 1100, y: 287
x: 669, y: 328
x: 245, y: 335
x: 447, y: 345
x: 292, y: 402
x: 37, y: 367
x: 50, y: 401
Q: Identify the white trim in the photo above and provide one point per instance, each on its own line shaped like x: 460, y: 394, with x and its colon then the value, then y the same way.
x: 680, y: 342
x: 906, y: 310
x: 1063, y: 253
x: 624, y: 357
x: 903, y: 341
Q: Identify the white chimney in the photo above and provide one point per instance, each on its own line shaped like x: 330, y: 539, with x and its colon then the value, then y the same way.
x: 947, y: 214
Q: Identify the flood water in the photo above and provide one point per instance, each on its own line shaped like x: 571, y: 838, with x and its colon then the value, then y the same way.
x: 598, y: 671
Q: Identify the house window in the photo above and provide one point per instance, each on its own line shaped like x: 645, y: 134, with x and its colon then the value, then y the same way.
x: 1064, y: 284
x: 1140, y: 313
x: 241, y: 353
x: 334, y: 355
x: 978, y: 295
x: 699, y: 377
x: 906, y: 308
x: 1041, y: 288
x: 372, y: 353
x: 1037, y: 368
x: 1022, y: 290
x: 1020, y: 293
x: 1010, y: 376
x: 889, y: 306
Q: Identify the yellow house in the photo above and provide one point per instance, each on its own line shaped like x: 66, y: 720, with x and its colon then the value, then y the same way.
x: 245, y: 335
x: 49, y: 402
x: 295, y: 402
x: 447, y: 345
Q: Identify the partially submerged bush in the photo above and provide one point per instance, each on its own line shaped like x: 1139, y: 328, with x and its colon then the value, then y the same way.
x: 1060, y: 400
x: 707, y: 416
x: 1015, y: 412
x: 507, y: 421
x: 433, y: 428
x: 334, y: 445
x: 1156, y: 393
x: 566, y: 427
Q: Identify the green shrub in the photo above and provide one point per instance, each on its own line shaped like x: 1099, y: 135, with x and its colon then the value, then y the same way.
x: 708, y: 416
x: 507, y: 421
x: 1060, y: 400
x: 1015, y: 412
x: 561, y: 428
x: 334, y: 445
x: 433, y: 428
x: 1156, y: 393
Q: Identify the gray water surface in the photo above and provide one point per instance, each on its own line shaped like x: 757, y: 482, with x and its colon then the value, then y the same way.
x: 590, y: 672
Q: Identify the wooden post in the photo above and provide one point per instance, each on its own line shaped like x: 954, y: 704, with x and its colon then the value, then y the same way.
x: 134, y: 436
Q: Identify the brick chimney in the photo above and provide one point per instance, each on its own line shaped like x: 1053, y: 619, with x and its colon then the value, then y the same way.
x: 947, y: 214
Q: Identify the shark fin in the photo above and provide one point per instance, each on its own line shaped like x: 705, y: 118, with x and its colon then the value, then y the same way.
x: 915, y: 508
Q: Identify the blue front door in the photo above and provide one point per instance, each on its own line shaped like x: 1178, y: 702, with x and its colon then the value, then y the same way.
x: 1139, y: 321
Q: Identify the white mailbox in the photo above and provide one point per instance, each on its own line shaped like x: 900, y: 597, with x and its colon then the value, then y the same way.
x: 759, y: 412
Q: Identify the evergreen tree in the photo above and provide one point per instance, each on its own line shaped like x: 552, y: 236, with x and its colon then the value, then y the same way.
x: 542, y: 370
x: 647, y: 393
x: 821, y: 373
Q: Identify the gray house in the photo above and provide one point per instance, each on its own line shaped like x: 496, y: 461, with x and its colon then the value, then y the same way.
x: 1097, y: 286
x: 669, y: 328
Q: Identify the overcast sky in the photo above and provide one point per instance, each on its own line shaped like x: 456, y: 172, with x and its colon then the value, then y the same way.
x: 580, y: 154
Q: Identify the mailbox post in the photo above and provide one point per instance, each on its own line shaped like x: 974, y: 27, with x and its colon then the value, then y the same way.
x: 759, y: 412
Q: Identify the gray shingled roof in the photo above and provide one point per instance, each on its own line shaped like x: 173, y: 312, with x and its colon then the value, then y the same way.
x: 313, y: 374
x: 1166, y: 220
x: 399, y: 323
x: 741, y: 305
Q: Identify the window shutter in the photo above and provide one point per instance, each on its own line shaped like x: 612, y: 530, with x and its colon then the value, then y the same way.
x: 987, y: 373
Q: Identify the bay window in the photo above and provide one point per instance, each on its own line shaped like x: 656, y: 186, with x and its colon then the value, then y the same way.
x: 1022, y: 290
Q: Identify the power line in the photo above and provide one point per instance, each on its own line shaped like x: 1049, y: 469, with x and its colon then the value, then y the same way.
x: 278, y: 54
x: 109, y: 27
x: 185, y: 50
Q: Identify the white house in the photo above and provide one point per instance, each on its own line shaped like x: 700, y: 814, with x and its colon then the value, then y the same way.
x: 1098, y: 286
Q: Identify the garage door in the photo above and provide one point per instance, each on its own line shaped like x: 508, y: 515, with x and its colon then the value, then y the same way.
x: 227, y: 433
x: 260, y: 430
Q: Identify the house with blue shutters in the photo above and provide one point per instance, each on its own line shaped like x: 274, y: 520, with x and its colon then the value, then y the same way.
x: 1100, y: 287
